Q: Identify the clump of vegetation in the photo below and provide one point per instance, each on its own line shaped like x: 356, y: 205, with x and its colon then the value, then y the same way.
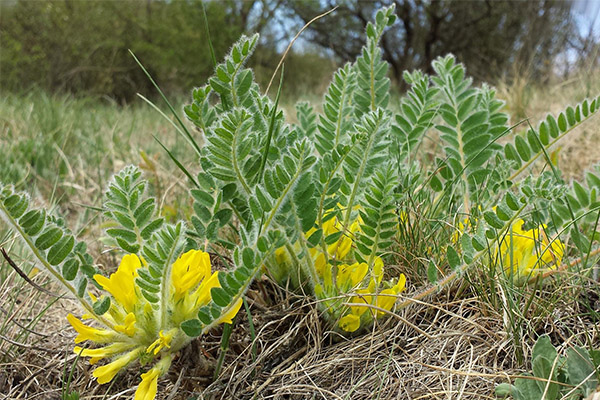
x: 324, y: 207
x: 570, y: 376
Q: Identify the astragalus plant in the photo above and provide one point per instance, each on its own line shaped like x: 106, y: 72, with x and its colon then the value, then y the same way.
x: 341, y: 207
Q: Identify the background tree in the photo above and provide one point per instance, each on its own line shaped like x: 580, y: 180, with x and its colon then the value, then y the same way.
x: 82, y: 46
x: 490, y: 37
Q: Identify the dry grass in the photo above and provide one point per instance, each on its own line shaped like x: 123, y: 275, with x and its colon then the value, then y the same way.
x: 450, y: 347
x: 530, y: 104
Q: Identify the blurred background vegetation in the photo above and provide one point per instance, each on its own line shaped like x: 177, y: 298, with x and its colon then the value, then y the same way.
x: 81, y: 47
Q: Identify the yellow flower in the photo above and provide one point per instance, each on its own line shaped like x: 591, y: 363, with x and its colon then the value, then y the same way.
x: 128, y: 326
x: 526, y: 253
x: 88, y: 333
x: 102, y: 352
x: 135, y: 329
x: 188, y: 306
x: 348, y: 276
x: 463, y: 226
x: 162, y: 341
x: 121, y: 284
x: 369, y: 296
x: 188, y: 271
x: 282, y: 256
x: 388, y: 299
x: 341, y: 247
x: 350, y: 322
x: 107, y: 372
x: 148, y: 387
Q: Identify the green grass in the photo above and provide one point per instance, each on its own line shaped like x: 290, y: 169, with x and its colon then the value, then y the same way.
x: 65, y: 149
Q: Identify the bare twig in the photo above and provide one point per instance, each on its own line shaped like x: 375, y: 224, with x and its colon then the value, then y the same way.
x: 24, y: 275
x: 292, y: 42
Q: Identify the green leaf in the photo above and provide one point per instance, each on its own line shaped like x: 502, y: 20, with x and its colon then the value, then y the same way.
x: 435, y: 183
x: 453, y: 258
x: 522, y: 148
x: 61, y: 250
x: 571, y: 116
x: 544, y: 133
x: 552, y: 126
x: 128, y: 247
x: 248, y: 257
x: 581, y: 193
x: 70, y: 268
x: 223, y: 216
x: 192, y: 327
x: 203, y: 198
x: 32, y: 222
x: 504, y: 390
x: 581, y: 369
x: 543, y: 348
x: 332, y: 238
x: 204, y: 315
x: 543, y: 368
x: 81, y: 286
x: 48, y: 238
x: 528, y: 389
x: 580, y: 241
x: 101, y: 306
x: 150, y: 228
x: 124, y: 234
x: 512, y: 201
x: 534, y: 141
x: 220, y: 296
x: 492, y: 219
x: 315, y: 237
x: 562, y: 122
x: 432, y: 272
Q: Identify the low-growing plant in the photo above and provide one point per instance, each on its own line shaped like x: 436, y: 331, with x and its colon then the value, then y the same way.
x: 555, y: 376
x: 323, y: 207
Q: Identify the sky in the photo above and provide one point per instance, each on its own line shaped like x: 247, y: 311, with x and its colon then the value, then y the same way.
x: 587, y: 15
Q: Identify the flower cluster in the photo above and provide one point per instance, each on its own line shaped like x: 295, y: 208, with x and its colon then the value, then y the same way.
x: 340, y: 274
x: 134, y: 329
x: 527, y: 253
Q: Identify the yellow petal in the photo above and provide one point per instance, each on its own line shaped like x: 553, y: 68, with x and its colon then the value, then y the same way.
x: 350, y: 275
x: 364, y: 297
x: 329, y: 226
x: 102, y: 352
x: 164, y: 340
x: 203, y: 291
x: 386, y: 302
x: 319, y: 291
x: 88, y: 333
x: 107, y: 372
x: 282, y: 256
x: 400, y: 285
x: 128, y: 326
x: 228, y: 318
x: 121, y: 284
x: 359, y: 271
x: 349, y: 323
x: 355, y: 227
x: 341, y: 248
x: 320, y: 263
x: 189, y: 270
x: 148, y: 387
